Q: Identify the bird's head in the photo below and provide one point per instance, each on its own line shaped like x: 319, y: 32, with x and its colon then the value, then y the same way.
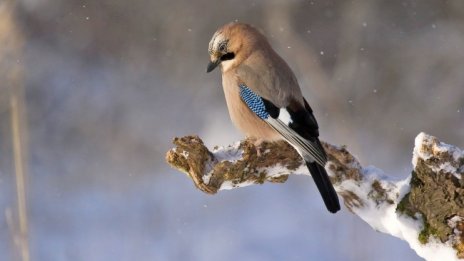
x: 231, y: 44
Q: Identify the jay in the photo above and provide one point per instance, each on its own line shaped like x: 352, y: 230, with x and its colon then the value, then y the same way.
x: 265, y: 101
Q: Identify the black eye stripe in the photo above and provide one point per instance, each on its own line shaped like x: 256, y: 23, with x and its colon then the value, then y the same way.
x: 227, y: 56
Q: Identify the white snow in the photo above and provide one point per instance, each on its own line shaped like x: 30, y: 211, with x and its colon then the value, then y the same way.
x: 272, y: 172
x: 227, y: 185
x: 418, y: 152
x: 384, y: 218
x: 209, y: 171
x: 378, y: 213
x: 279, y: 170
x: 276, y: 171
x: 453, y: 222
x: 185, y: 154
x: 423, y: 139
x: 230, y: 153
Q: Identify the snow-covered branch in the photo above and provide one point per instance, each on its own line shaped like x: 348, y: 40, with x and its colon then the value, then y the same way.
x: 426, y: 209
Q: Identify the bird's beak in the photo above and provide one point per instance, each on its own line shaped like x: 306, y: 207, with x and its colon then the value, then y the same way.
x: 212, y: 65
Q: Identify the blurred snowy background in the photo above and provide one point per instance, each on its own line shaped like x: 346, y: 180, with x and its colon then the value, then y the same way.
x: 108, y: 84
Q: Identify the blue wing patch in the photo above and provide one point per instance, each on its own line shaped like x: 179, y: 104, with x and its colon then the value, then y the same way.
x: 253, y: 101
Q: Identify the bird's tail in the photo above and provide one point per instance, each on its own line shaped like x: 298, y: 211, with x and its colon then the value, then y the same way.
x: 324, y: 186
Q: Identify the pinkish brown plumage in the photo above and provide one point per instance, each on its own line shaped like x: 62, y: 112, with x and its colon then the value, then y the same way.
x: 265, y: 100
x: 257, y: 65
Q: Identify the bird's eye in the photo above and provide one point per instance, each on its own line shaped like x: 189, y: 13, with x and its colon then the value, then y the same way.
x: 223, y: 47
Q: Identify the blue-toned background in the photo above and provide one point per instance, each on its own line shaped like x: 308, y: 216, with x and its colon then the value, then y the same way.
x: 108, y: 84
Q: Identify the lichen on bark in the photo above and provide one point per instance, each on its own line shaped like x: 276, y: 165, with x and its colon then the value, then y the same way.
x: 437, y: 192
x: 434, y: 197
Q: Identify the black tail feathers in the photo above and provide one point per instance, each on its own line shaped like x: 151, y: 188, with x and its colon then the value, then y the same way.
x: 324, y: 186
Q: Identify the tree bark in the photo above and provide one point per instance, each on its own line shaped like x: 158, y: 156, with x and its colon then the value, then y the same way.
x: 426, y: 209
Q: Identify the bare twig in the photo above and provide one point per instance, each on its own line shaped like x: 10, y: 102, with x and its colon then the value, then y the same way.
x: 10, y: 73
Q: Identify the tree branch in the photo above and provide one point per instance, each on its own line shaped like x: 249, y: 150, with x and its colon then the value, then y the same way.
x: 426, y: 209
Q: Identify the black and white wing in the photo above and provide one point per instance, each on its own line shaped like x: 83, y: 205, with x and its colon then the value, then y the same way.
x: 298, y: 126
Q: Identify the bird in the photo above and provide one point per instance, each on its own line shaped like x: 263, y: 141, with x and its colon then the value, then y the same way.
x: 264, y: 98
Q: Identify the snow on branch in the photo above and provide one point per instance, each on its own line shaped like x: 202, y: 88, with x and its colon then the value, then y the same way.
x: 426, y: 209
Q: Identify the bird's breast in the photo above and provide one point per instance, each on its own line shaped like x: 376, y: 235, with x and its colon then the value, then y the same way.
x: 242, y: 117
